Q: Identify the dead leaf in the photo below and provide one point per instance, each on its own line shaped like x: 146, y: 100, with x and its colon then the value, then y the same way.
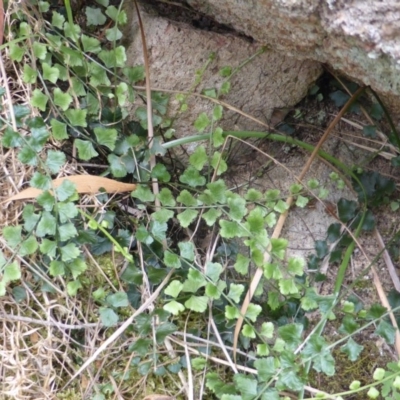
x: 90, y: 184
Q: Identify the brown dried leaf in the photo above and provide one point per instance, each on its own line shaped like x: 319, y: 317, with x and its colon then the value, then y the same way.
x: 90, y: 184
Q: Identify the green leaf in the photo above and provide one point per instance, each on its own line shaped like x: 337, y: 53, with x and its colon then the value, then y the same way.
x: 47, y: 225
x: 225, y: 88
x: 143, y: 193
x: 67, y: 231
x: 346, y: 209
x: 295, y: 188
x: 215, y: 291
x: 39, y: 50
x: 162, y: 215
x: 218, y: 137
x: 272, y: 194
x: 173, y: 289
x: 218, y: 190
x: 281, y: 206
x: 43, y: 6
x: 242, y: 264
x: 296, y: 265
x: 272, y: 271
x: 65, y: 190
x: 77, y: 117
x: 59, y: 129
x: 248, y: 331
x: 164, y: 330
x: 186, y: 198
x: 40, y: 181
x: 46, y: 200
x: 66, y: 211
x: 142, y: 235
x: 122, y: 92
x: 118, y: 299
x: 291, y: 334
x: 197, y: 303
x: 106, y: 137
x: 77, y: 267
x: 339, y: 98
x: 76, y: 87
x: 237, y: 208
x: 174, y: 307
x: 29, y: 74
x: 57, y: 268
x: 217, y: 112
x: 12, y: 235
x: 134, y: 74
x: 202, y: 122
x: 186, y: 250
x: 48, y: 247
x: 98, y: 75
x: 387, y: 331
x: 57, y: 20
x: 108, y: 317
x: 86, y: 150
x: 301, y: 201
x: 117, y: 166
x: 94, y: 16
x: 160, y: 172
x: 28, y: 156
x: 90, y: 44
x: 113, y: 58
x: 118, y: 16
x: 255, y: 221
x: 211, y: 216
x: 213, y: 271
x: 11, y: 138
x: 266, y: 368
x: 288, y: 286
x: 50, y: 73
x: 55, y: 160
x: 231, y: 229
x: 218, y: 163
x: 198, y: 157
x: 39, y: 100
x: 192, y: 177
x: 16, y: 52
x: 11, y: 272
x: 113, y: 34
x: 171, y: 260
x: 28, y: 246
x: 278, y: 247
x: 61, y: 99
x: 69, y: 252
x: 267, y: 330
x: 30, y: 218
x: 253, y: 311
x: 166, y: 198
x: 253, y: 195
x: 235, y: 291
x: 159, y: 230
x: 194, y: 281
x: 187, y: 217
x: 352, y: 349
x: 231, y: 312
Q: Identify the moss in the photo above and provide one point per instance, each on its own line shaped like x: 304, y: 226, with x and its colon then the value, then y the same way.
x: 348, y: 371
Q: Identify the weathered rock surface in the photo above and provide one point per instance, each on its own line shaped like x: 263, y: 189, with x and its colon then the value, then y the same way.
x: 177, y: 51
x: 360, y: 38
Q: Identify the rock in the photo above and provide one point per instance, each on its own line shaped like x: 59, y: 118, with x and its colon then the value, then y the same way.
x: 177, y: 50
x: 359, y: 38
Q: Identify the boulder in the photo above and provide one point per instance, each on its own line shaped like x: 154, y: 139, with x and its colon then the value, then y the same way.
x: 271, y: 80
x: 359, y: 38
